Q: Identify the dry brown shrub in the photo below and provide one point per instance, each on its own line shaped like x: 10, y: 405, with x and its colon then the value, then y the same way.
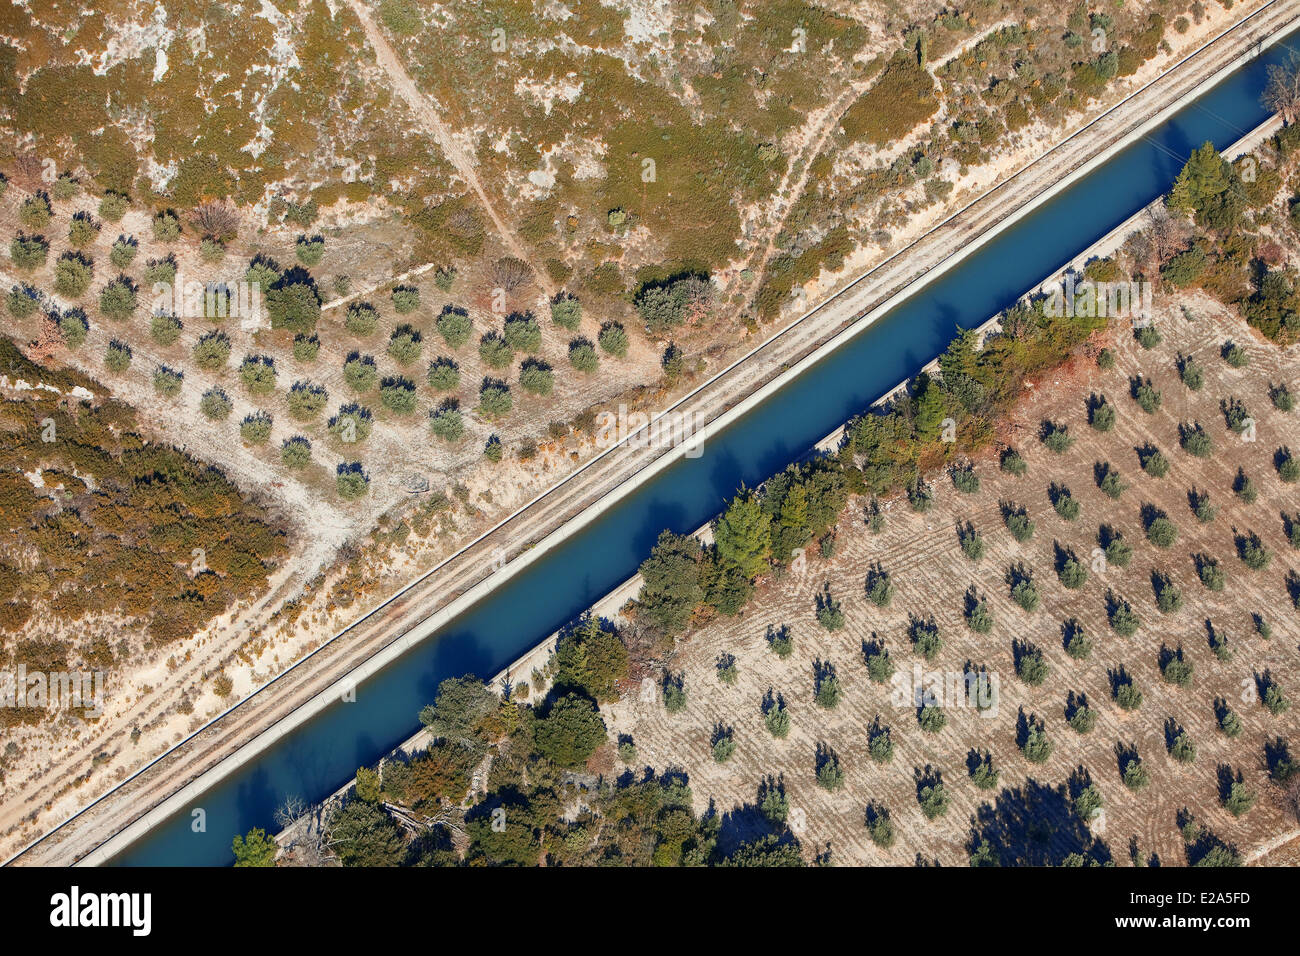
x: 215, y: 220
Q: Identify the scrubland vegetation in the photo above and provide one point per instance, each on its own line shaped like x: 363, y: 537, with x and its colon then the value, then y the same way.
x: 109, y: 533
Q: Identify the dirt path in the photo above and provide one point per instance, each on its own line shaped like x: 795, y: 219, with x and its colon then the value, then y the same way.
x: 577, y: 500
x: 430, y: 118
x: 788, y: 194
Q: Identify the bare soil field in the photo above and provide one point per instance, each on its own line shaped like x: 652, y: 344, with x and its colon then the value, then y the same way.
x: 1027, y: 818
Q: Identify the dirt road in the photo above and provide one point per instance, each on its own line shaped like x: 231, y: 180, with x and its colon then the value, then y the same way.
x: 433, y: 123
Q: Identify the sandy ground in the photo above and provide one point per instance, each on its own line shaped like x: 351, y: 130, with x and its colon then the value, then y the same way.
x: 931, y: 575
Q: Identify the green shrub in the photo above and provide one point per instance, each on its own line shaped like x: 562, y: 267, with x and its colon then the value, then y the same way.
x: 212, y: 351
x: 1076, y: 641
x: 446, y: 422
x: 255, y: 429
x: 82, y: 230
x: 830, y: 615
x: 305, y: 347
x: 830, y: 775
x: 1211, y: 573
x: 536, y: 377
x: 972, y: 542
x: 1117, y: 550
x: 1057, y: 437
x: 66, y: 187
x: 1036, y: 746
x: 295, y: 452
x: 920, y: 496
x: 1147, y: 336
x: 160, y: 271
x: 117, y: 356
x: 495, y: 351
x: 965, y: 480
x: 1175, y: 668
x: 566, y: 311
x: 36, y: 212
x: 613, y: 339
x: 123, y: 251
x: 1064, y: 503
x: 1201, y: 507
x: 1146, y: 395
x: 1192, y: 374
x: 1154, y: 463
x: 1182, y: 748
x: 1101, y: 414
x: 361, y: 320
x: 360, y: 373
x: 1072, y: 572
x: 74, y: 327
x: 397, y: 394
x: 404, y: 345
x: 925, y: 638
x: 1134, y: 775
x: 72, y: 275
x: 406, y: 299
x: 215, y: 404
x: 1288, y: 468
x: 1162, y: 532
x: 674, y: 693
x: 28, y: 252
x: 294, y: 306
x: 1123, y: 620
x: 352, y: 424
x: 257, y: 373
x: 306, y: 400
x: 164, y: 328
x: 1234, y: 355
x: 166, y: 226
x: 117, y: 300
x: 879, y: 587
x: 1126, y: 692
x: 444, y: 374
x: 22, y: 301
x: 310, y: 249
x: 113, y: 206
x: 582, y: 355
x: 1019, y: 524
x: 167, y: 381
x: 263, y: 272
x: 350, y: 481
x: 1238, y: 799
x: 1252, y: 552
x: 494, y: 399
x: 1195, y: 440
x: 522, y: 333
x: 454, y: 326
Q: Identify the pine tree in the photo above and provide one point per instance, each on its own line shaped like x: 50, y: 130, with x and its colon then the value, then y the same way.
x: 744, y: 535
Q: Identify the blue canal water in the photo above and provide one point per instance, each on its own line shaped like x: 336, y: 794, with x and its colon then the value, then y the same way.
x: 320, y: 756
